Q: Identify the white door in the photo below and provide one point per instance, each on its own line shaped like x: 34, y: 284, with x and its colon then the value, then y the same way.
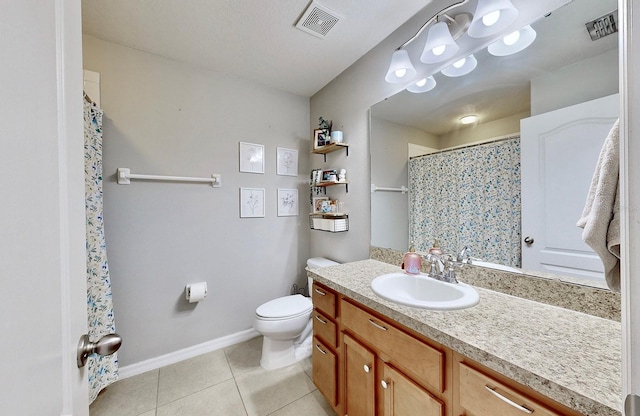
x: 42, y: 237
x: 559, y: 154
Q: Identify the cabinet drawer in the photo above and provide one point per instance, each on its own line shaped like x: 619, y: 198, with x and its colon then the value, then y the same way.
x: 325, y: 371
x: 324, y: 299
x: 481, y: 395
x: 325, y: 329
x: 415, y: 358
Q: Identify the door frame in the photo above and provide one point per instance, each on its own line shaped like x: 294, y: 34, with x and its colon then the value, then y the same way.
x: 629, y: 194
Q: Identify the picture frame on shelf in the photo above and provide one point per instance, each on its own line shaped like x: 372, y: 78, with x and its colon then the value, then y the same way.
x: 251, y: 158
x: 251, y: 202
x: 317, y: 201
x: 329, y: 175
x: 286, y: 162
x: 287, y: 202
x: 321, y: 138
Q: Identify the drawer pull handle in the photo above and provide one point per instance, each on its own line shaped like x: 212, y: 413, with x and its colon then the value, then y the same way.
x: 321, y: 320
x: 320, y: 292
x: 367, y: 368
x: 506, y: 400
x: 384, y: 384
x: 377, y: 325
x: 320, y: 349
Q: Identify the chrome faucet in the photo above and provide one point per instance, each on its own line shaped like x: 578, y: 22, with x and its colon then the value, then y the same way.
x: 463, y: 256
x: 442, y: 267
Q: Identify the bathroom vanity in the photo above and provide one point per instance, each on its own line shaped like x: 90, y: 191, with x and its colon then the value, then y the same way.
x: 504, y: 356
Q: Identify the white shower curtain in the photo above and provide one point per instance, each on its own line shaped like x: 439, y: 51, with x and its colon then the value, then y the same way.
x: 468, y: 197
x: 102, y: 370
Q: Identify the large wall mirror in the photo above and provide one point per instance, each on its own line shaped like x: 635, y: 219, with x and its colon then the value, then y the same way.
x: 564, y: 78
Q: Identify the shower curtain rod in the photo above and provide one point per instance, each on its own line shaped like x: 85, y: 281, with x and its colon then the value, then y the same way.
x: 124, y: 176
x: 464, y: 146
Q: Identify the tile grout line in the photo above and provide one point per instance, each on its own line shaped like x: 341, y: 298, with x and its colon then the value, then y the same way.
x: 157, y: 393
x: 235, y: 381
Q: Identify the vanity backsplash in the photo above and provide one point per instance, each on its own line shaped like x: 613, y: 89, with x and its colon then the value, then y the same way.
x: 590, y: 300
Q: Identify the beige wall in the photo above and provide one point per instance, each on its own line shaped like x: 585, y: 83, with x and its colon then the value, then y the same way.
x: 584, y: 81
x: 389, y: 155
x: 482, y: 132
x: 167, y: 118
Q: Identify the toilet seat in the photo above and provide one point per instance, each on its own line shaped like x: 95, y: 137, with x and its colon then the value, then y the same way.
x: 286, y: 307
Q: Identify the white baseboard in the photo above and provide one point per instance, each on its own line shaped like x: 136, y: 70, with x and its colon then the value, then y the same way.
x: 190, y: 352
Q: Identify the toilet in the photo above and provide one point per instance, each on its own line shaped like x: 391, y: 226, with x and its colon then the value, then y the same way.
x: 286, y: 325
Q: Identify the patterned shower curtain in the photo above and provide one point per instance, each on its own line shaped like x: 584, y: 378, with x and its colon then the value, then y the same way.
x: 468, y: 197
x: 102, y: 370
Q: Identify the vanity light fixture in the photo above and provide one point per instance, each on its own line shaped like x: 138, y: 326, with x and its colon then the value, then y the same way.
x: 469, y: 119
x: 513, y: 42
x: 440, y: 44
x: 461, y: 67
x: 424, y: 85
x: 401, y: 68
x: 491, y: 17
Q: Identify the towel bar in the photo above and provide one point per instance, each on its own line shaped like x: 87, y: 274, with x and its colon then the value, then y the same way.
x: 124, y: 178
x: 375, y: 189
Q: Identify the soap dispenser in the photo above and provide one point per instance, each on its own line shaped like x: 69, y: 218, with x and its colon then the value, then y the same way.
x: 435, y: 249
x: 412, y: 261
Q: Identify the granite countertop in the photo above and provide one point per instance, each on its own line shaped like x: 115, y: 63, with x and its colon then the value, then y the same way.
x: 572, y: 357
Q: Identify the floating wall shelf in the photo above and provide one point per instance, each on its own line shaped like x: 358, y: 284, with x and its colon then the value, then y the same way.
x: 330, y: 148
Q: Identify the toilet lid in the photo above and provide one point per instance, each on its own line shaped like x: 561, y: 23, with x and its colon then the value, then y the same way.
x: 285, y: 307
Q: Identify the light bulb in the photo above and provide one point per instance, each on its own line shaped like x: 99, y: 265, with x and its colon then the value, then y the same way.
x: 424, y: 85
x: 472, y: 118
x: 511, y: 38
x: 438, y: 50
x: 460, y: 63
x: 513, y: 42
x: 400, y: 68
x: 491, y: 18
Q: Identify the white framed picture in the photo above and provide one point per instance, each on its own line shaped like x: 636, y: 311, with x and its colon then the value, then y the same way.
x: 251, y: 202
x: 287, y: 162
x: 251, y: 157
x: 317, y: 201
x: 287, y: 202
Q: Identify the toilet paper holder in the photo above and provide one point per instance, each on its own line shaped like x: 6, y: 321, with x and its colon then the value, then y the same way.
x: 195, y: 292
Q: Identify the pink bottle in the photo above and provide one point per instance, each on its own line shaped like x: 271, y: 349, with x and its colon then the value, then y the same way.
x: 412, y: 261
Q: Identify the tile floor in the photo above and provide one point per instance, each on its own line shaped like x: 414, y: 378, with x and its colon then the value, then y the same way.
x: 224, y: 382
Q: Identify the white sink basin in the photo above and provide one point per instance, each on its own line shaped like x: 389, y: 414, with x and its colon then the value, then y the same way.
x: 422, y: 291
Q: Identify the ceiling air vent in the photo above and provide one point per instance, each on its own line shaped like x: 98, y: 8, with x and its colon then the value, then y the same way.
x: 603, y: 26
x: 317, y: 20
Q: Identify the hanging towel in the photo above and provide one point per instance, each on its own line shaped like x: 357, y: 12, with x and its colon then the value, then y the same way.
x: 601, y: 216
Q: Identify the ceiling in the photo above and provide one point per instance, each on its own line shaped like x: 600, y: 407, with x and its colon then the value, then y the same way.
x: 500, y: 87
x: 251, y: 39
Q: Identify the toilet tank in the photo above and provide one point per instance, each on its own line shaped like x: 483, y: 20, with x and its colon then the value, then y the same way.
x: 316, y: 263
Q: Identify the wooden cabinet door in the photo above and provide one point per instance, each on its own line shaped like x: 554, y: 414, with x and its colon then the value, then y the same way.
x: 325, y: 371
x: 403, y: 397
x: 359, y: 379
